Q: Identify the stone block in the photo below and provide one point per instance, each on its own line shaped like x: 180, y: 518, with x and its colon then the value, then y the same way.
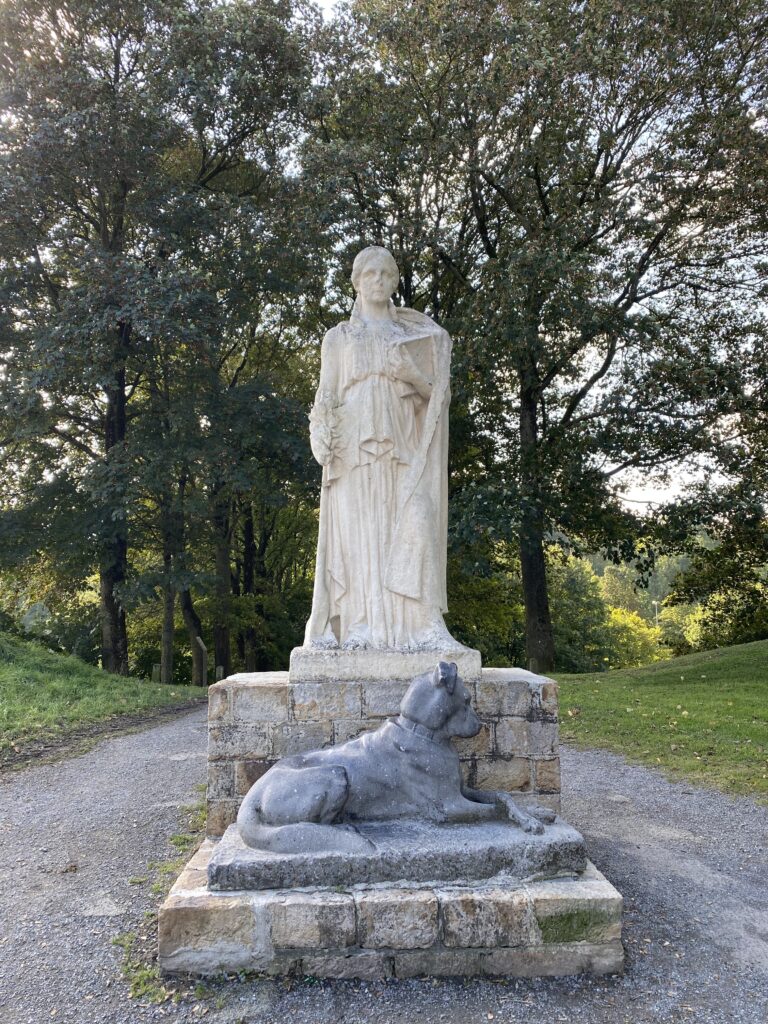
x: 309, y: 665
x: 438, y: 963
x: 349, y: 728
x: 366, y: 966
x: 220, y: 815
x: 298, y: 737
x: 548, y: 775
x: 221, y: 780
x: 549, y: 697
x: 476, y: 746
x: 500, y: 773
x: 319, y: 701
x: 219, y: 703
x: 207, y: 932
x: 551, y: 800
x: 247, y: 772
x: 512, y: 737
x: 584, y: 909
x: 555, y: 961
x: 381, y: 698
x: 502, y: 691
x: 396, y: 918
x: 487, y: 917
x: 260, y: 697
x: 312, y: 920
x: 419, y: 851
x: 543, y: 738
x: 239, y: 741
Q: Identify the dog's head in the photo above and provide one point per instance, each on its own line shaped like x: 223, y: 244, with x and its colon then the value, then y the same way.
x: 440, y: 701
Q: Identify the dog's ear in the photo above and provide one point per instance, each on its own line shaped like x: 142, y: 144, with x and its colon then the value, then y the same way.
x: 446, y: 674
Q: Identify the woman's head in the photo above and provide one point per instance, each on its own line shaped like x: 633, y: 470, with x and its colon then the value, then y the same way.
x: 375, y: 258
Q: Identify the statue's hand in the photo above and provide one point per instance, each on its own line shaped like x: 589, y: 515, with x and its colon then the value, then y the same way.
x: 322, y: 421
x: 321, y: 447
x: 402, y: 367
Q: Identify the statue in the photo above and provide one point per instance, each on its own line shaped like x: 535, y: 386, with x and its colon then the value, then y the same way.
x: 379, y: 428
x: 405, y: 769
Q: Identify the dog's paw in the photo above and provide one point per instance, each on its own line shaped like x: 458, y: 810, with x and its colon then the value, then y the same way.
x: 544, y: 814
x: 532, y: 825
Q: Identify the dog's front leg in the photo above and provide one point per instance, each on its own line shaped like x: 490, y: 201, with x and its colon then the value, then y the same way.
x: 507, y: 807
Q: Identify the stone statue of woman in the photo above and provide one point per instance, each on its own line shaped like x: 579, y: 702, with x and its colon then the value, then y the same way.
x: 379, y: 428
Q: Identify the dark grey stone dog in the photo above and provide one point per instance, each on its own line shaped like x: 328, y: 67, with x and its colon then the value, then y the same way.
x: 406, y: 769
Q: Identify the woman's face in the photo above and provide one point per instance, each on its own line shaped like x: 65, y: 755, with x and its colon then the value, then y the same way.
x: 377, y: 282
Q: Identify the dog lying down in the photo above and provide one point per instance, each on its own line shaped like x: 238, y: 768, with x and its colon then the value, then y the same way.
x: 308, y: 803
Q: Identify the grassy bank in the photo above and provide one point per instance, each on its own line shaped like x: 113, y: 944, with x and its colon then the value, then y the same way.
x: 703, y: 717
x: 45, y: 696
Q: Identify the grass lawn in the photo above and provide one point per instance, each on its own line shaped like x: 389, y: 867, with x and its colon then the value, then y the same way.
x: 703, y: 717
x: 44, y: 695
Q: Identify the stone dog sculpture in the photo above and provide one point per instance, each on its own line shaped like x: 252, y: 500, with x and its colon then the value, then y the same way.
x: 405, y: 769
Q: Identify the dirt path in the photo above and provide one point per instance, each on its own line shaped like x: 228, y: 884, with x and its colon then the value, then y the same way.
x: 692, y: 865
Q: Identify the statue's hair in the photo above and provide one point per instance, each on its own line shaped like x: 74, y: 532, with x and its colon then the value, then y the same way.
x: 361, y: 261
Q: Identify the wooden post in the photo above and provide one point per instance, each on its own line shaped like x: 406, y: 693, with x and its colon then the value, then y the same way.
x: 155, y: 673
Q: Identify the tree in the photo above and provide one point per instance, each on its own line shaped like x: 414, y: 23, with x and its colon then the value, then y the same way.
x: 123, y: 123
x: 577, y: 191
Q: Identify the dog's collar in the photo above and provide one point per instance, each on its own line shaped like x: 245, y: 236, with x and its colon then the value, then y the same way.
x: 419, y: 730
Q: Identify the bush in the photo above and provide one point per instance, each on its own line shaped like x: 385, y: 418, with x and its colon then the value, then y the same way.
x: 632, y: 641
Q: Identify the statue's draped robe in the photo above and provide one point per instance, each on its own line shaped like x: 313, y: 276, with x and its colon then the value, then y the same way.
x: 380, y: 573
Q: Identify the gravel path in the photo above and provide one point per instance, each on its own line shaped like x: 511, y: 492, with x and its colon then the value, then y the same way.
x: 692, y: 865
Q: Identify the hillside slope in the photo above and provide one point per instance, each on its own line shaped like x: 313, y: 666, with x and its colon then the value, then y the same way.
x: 703, y: 717
x: 44, y: 696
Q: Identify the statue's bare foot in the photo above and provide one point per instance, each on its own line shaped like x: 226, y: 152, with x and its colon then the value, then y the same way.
x: 355, y: 643
x: 324, y: 643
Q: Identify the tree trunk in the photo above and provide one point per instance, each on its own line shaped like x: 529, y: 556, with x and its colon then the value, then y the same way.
x: 249, y: 571
x: 114, y: 560
x: 194, y: 629
x: 539, y: 642
x: 166, y: 646
x: 223, y: 588
x: 114, y: 638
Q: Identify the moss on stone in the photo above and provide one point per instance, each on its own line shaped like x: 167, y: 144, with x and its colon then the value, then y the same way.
x: 577, y: 925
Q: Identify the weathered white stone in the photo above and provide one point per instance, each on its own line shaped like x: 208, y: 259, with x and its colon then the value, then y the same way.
x: 260, y: 696
x: 206, y: 933
x: 239, y: 740
x: 309, y: 665
x: 312, y: 920
x: 321, y: 700
x: 505, y: 691
x: 488, y: 917
x: 396, y: 918
x: 379, y: 429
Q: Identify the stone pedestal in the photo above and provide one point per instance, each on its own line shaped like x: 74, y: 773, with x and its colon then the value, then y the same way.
x: 256, y: 718
x: 421, y: 851
x: 514, y: 905
x: 493, y: 927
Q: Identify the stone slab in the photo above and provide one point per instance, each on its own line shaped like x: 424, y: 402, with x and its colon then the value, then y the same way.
x: 416, y: 851
x: 310, y: 665
x: 562, y: 926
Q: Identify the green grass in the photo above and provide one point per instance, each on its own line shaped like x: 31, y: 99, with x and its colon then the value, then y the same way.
x: 703, y: 717
x: 44, y: 696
